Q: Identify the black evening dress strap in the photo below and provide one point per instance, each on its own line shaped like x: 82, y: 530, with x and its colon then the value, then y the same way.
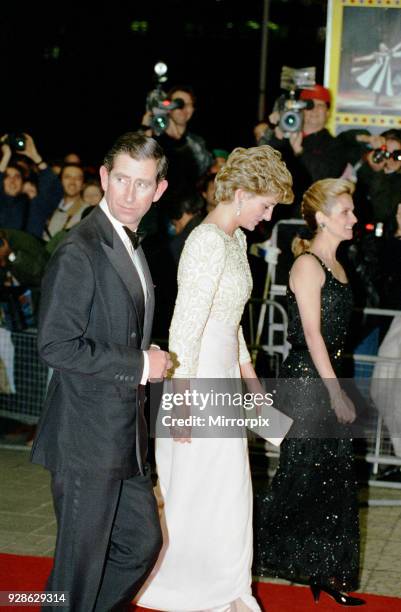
x: 317, y: 258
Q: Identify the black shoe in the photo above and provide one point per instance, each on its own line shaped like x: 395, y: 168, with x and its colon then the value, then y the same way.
x: 341, y: 598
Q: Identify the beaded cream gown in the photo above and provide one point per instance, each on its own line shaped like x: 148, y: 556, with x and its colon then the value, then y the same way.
x: 206, y: 560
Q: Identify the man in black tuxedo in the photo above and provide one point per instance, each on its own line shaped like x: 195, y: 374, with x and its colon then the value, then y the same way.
x: 94, y: 330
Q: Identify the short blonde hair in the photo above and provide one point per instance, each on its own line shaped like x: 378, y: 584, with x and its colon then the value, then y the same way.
x: 320, y: 197
x: 257, y: 170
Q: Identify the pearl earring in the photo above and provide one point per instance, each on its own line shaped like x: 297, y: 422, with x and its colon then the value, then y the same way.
x: 239, y: 208
x: 322, y: 225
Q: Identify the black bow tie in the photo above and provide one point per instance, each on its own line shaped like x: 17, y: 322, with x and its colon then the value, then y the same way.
x: 135, y: 237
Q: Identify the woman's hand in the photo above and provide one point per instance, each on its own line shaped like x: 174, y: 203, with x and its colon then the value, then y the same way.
x: 343, y: 407
x: 181, y: 434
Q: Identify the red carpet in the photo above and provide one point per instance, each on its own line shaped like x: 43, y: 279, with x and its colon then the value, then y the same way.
x: 29, y: 574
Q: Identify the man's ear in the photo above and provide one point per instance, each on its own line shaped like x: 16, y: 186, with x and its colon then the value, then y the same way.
x: 161, y: 188
x: 104, y: 177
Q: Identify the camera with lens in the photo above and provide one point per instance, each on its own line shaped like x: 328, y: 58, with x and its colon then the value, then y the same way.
x: 158, y: 104
x: 16, y: 141
x: 288, y: 105
x: 381, y: 154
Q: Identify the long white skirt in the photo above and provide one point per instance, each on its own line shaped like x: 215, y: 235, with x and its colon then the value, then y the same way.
x: 206, y: 558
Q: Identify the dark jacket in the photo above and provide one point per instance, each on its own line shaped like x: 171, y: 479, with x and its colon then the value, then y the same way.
x: 188, y: 160
x: 30, y: 257
x: 323, y: 156
x: 91, y: 333
x: 21, y: 213
x: 377, y: 195
x: 41, y: 208
x: 14, y: 210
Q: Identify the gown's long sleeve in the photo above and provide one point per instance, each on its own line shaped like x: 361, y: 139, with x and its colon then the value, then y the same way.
x: 201, y: 265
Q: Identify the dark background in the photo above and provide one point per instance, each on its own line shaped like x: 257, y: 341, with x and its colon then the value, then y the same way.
x: 76, y: 75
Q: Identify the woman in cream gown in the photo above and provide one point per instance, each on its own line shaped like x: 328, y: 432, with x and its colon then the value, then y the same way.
x: 206, y: 560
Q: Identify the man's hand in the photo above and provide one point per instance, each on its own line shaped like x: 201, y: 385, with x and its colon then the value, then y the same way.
x: 260, y: 130
x: 5, y: 153
x: 373, y: 141
x: 146, y: 121
x: 30, y: 150
x: 159, y: 364
x: 296, y: 140
x: 274, y: 120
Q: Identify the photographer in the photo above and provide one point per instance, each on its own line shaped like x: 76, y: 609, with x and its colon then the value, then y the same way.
x: 379, y: 179
x: 17, y: 211
x: 311, y: 153
x: 186, y: 152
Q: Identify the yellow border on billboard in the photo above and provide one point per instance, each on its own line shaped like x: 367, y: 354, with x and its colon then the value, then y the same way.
x: 390, y: 121
x: 371, y: 3
x: 333, y: 54
x: 333, y: 61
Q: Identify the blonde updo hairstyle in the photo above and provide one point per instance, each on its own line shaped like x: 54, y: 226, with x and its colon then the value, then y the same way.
x: 258, y: 171
x: 320, y: 197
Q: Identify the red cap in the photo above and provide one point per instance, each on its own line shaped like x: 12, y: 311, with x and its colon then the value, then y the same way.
x: 317, y: 92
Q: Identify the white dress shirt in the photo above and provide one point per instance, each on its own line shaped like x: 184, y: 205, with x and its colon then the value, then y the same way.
x: 119, y: 227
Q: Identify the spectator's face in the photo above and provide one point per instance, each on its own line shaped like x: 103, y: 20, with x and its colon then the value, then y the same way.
x: 208, y: 194
x: 92, y: 194
x: 72, y: 181
x: 130, y: 188
x: 315, y: 119
x: 391, y: 165
x: 12, y: 182
x: 181, y: 116
x: 217, y: 165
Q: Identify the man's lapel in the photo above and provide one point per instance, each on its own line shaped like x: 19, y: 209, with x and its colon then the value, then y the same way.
x: 150, y: 300
x: 122, y: 263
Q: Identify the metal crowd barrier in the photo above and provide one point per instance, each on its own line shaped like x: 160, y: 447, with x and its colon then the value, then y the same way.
x: 23, y: 381
x: 23, y: 377
x: 379, y: 447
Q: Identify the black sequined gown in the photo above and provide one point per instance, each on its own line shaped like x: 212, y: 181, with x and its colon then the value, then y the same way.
x: 306, y: 523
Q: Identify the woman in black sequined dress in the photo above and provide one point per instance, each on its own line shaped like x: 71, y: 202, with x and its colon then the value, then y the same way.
x: 306, y: 524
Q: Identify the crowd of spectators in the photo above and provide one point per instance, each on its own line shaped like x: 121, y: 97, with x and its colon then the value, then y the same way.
x: 41, y: 201
x: 373, y: 162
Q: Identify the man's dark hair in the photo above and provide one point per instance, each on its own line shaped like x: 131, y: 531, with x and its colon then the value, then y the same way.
x: 71, y: 165
x: 191, y: 203
x: 139, y: 147
x: 392, y: 134
x: 186, y: 88
x: 15, y: 166
x: 204, y: 181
